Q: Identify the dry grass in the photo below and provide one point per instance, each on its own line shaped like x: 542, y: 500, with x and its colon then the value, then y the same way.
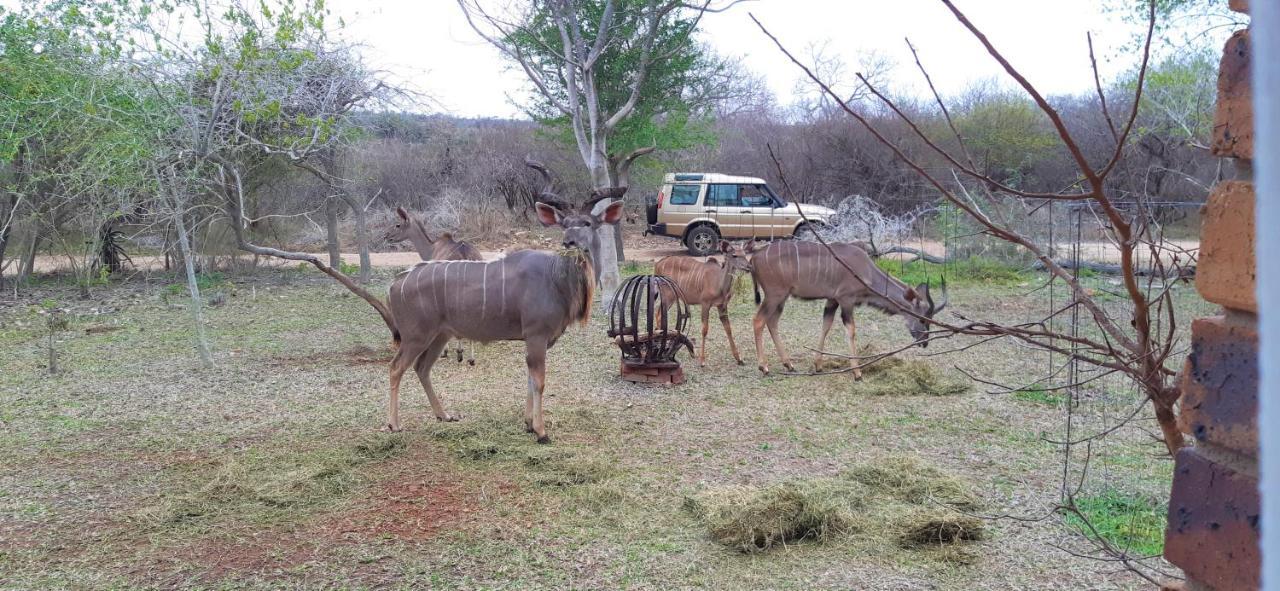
x: 268, y: 471
x: 896, y: 497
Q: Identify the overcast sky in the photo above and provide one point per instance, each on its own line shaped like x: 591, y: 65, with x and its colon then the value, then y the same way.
x: 428, y: 44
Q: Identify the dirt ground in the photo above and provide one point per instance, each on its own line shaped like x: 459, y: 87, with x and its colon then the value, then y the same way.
x: 640, y: 248
x: 134, y: 467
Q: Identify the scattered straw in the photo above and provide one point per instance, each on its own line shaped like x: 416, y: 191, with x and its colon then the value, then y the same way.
x: 753, y: 519
x: 938, y: 527
x: 894, y: 376
x: 898, y: 498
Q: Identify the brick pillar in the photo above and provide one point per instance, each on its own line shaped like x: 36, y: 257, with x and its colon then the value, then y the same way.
x: 1214, y: 507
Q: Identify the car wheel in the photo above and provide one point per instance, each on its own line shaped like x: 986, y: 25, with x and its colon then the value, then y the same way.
x: 806, y: 232
x: 702, y: 240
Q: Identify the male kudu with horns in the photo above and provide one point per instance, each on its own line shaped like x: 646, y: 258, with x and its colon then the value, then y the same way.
x: 809, y: 271
x: 529, y: 295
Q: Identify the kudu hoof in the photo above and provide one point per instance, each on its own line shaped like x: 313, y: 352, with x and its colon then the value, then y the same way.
x: 447, y: 419
x: 459, y: 355
x: 544, y: 439
x: 764, y: 370
x: 389, y: 428
x: 740, y: 362
x: 471, y: 362
x: 789, y: 367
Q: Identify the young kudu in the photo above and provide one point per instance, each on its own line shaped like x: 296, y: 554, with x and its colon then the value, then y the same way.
x: 445, y: 248
x: 530, y: 296
x: 807, y: 270
x: 706, y: 283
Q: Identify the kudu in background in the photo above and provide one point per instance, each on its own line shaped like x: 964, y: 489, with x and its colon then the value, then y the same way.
x: 410, y: 229
x: 706, y: 283
x: 530, y: 296
x: 809, y: 271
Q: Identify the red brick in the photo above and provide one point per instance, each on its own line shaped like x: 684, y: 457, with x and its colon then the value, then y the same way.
x: 1220, y: 385
x: 1233, y: 119
x: 1213, y: 523
x: 1225, y: 272
x: 1239, y: 5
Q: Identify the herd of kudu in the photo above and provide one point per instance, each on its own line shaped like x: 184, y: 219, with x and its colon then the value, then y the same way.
x: 534, y: 296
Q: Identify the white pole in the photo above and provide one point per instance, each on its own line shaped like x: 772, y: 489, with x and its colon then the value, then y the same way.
x: 1265, y: 63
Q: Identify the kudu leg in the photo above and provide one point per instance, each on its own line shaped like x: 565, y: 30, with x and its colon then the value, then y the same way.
x: 767, y: 316
x: 757, y: 329
x: 771, y: 321
x: 702, y: 344
x: 536, y: 360
x: 828, y: 318
x: 405, y: 357
x: 851, y: 334
x: 423, y: 368
x: 723, y: 309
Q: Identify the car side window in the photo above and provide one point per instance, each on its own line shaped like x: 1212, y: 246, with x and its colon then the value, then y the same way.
x: 723, y: 196
x: 684, y: 194
x: 754, y: 196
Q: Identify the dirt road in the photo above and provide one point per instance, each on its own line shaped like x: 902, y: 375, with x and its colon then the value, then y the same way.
x: 1100, y: 252
x: 50, y: 264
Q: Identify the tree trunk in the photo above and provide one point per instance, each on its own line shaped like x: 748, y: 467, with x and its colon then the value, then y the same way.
x: 607, y: 258
x: 331, y: 232
x: 362, y: 236
x: 193, y: 288
x: 5, y: 233
x: 28, y: 264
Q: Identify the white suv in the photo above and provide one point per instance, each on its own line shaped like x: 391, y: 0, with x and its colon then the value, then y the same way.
x: 702, y: 208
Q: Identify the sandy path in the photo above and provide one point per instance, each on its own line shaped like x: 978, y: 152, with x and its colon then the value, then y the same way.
x: 1091, y: 251
x: 49, y: 264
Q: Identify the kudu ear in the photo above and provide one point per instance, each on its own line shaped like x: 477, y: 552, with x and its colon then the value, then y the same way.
x: 548, y: 215
x: 613, y: 213
x: 404, y: 215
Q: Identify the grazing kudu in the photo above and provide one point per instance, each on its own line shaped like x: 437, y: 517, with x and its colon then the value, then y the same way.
x: 445, y: 248
x: 530, y: 296
x: 706, y: 283
x: 807, y: 270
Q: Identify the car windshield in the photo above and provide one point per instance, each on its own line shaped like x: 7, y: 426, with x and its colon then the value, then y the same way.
x: 779, y: 201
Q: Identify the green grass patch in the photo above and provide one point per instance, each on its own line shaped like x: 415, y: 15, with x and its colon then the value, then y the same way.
x: 970, y: 271
x: 1039, y: 395
x: 1126, y: 521
x: 205, y: 281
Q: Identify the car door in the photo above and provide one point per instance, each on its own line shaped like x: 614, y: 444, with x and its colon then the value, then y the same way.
x: 761, y: 217
x: 725, y: 207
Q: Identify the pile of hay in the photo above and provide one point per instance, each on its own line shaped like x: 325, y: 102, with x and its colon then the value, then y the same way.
x: 899, y: 500
x: 933, y: 528
x: 752, y: 519
x: 895, y: 376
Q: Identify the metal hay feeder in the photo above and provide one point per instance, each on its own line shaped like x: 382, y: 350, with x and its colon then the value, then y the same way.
x: 642, y: 324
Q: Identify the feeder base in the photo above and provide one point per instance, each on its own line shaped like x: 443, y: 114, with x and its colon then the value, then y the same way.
x: 653, y: 374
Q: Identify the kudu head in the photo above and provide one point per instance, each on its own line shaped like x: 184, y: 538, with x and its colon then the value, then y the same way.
x: 578, y: 222
x: 736, y: 256
x: 402, y: 228
x: 922, y: 305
